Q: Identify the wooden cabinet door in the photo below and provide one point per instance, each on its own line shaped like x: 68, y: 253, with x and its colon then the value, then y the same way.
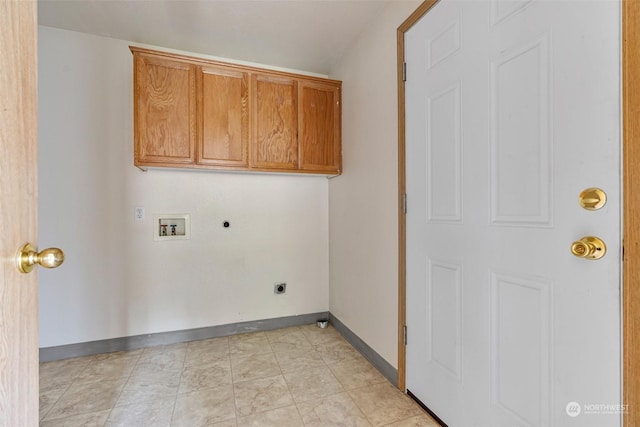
x: 275, y: 124
x: 320, y: 127
x: 223, y: 117
x: 165, y: 112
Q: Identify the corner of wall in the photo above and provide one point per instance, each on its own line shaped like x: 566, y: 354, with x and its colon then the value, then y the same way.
x: 363, y: 242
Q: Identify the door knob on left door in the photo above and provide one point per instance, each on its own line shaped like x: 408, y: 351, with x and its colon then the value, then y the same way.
x: 28, y: 257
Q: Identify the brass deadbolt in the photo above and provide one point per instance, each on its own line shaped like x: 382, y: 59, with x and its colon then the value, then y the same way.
x: 593, y: 199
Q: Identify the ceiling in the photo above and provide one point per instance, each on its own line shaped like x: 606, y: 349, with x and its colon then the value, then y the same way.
x: 308, y: 35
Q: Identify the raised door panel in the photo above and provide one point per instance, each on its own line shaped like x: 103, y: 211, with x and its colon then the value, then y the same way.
x: 320, y: 128
x: 275, y: 124
x: 223, y: 117
x: 165, y: 112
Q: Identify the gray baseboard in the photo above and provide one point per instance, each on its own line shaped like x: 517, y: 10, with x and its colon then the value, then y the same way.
x: 48, y: 354
x: 370, y: 354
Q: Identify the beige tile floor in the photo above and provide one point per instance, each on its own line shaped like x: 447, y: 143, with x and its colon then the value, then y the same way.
x: 300, y: 376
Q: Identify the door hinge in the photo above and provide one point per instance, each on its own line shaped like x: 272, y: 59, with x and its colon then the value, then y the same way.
x: 404, y: 203
x: 404, y: 331
x: 404, y: 71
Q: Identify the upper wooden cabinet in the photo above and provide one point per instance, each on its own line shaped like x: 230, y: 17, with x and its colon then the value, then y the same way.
x: 275, y: 124
x: 165, y: 111
x: 223, y: 117
x: 319, y: 121
x: 195, y: 113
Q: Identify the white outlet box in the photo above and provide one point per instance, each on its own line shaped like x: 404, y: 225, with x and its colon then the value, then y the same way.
x: 139, y: 213
x: 172, y: 227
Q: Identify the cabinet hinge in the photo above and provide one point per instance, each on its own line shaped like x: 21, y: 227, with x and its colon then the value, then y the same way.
x: 405, y: 334
x: 404, y: 203
x: 404, y: 71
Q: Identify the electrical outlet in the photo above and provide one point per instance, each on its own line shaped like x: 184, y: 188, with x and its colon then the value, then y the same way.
x: 279, y: 288
x: 139, y: 214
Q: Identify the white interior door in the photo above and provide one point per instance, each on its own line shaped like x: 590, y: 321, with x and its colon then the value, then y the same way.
x: 512, y: 110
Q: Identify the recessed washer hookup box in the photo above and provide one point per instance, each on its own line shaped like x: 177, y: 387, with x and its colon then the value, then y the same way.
x: 172, y: 227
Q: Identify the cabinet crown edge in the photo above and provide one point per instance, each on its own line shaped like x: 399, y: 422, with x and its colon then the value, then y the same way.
x: 194, y: 60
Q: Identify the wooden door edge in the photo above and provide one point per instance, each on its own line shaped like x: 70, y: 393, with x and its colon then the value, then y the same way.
x: 402, y: 234
x: 402, y: 237
x: 631, y: 207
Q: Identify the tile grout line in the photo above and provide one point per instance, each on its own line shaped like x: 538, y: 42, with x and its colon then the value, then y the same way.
x: 271, y: 376
x: 43, y: 416
x: 273, y: 353
x: 358, y: 406
x: 314, y: 348
x: 295, y: 404
x: 72, y: 383
x: 175, y: 399
x: 115, y: 403
x: 233, y: 383
x: 233, y: 387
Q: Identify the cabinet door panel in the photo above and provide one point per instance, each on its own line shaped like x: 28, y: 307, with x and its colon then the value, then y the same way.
x: 223, y: 117
x: 275, y: 142
x: 320, y: 127
x: 165, y: 111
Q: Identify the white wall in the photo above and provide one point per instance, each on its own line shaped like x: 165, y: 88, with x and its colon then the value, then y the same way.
x: 363, y: 238
x: 118, y: 281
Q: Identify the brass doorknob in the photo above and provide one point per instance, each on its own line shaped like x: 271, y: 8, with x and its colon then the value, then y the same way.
x: 28, y: 257
x: 589, y: 248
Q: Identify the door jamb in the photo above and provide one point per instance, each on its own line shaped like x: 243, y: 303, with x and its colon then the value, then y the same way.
x: 631, y: 205
x: 402, y: 230
x: 630, y: 209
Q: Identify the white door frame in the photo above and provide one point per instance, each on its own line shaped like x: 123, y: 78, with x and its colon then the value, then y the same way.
x: 631, y: 205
